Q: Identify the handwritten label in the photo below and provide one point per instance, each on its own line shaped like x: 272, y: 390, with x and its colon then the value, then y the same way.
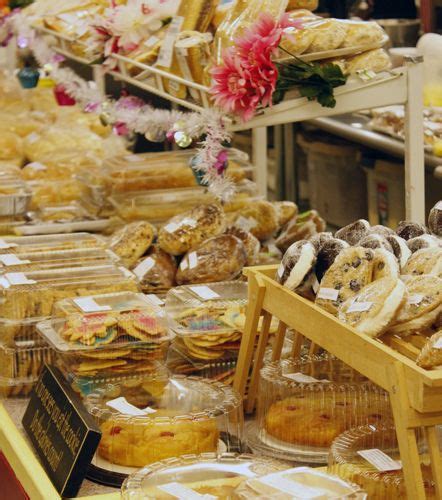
x: 144, y: 267
x: 89, y: 305
x: 359, y: 307
x: 123, y: 406
x: 328, y: 294
x: 183, y: 493
x: 171, y: 228
x: 184, y: 264
x: 166, y: 52
x: 8, y: 259
x: 380, y: 460
x: 204, y: 292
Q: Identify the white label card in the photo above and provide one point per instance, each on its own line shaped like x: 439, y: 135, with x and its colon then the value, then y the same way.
x: 303, y: 379
x: 3, y: 244
x: 183, y: 493
x: 438, y: 344
x: 88, y: 305
x: 35, y: 165
x: 204, y: 292
x: 155, y: 300
x: 280, y: 271
x: 18, y: 279
x: 359, y: 307
x: 287, y: 485
x: 380, y: 460
x: 9, y: 259
x: 171, y: 228
x: 144, y: 267
x: 166, y: 52
x: 33, y: 137
x: 184, y: 264
x: 415, y: 299
x: 193, y: 260
x: 328, y: 294
x: 315, y: 285
x: 4, y: 283
x: 123, y: 406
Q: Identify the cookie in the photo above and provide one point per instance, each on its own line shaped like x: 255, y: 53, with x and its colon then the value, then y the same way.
x: 354, y: 232
x: 385, y: 264
x: 425, y: 261
x: 423, y: 241
x: 408, y: 229
x: 327, y: 254
x: 435, y: 219
x: 431, y: 355
x: 400, y: 249
x: 422, y: 306
x: 349, y: 273
x: 375, y: 240
x: 373, y: 309
x: 297, y: 263
x: 132, y: 241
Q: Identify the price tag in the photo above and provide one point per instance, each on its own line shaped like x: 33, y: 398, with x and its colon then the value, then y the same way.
x: 155, y: 300
x: 88, y: 305
x: 143, y: 267
x: 123, y: 406
x: 204, y: 292
x: 171, y: 228
x: 359, y: 307
x: 183, y: 493
x: 184, y: 264
x: 18, y: 279
x: 438, y: 344
x: 166, y: 52
x: 415, y: 299
x: 328, y: 294
x: 35, y: 165
x: 9, y: 259
x: 380, y: 460
x: 193, y: 260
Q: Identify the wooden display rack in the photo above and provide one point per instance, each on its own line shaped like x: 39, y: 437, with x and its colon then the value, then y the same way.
x: 415, y: 393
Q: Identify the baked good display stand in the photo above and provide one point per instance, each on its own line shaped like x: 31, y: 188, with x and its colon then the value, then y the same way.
x: 415, y: 393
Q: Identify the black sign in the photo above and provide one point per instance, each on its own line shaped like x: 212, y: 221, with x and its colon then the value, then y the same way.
x: 64, y: 435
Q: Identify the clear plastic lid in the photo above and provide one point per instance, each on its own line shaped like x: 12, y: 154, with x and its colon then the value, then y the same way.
x: 197, y: 476
x: 47, y: 243
x: 369, y: 457
x: 114, y: 320
x: 303, y: 405
x: 161, y: 419
x: 296, y: 484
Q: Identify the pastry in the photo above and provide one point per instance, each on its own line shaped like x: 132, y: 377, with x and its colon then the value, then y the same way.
x: 385, y: 264
x: 375, y: 240
x: 349, y: 273
x: 260, y: 218
x: 363, y: 34
x: 285, y: 210
x: 220, y: 258
x: 191, y: 228
x: 431, y: 354
x: 354, y: 232
x: 142, y: 441
x: 303, y: 227
x: 251, y: 243
x: 327, y: 254
x: 374, y: 308
x: 435, y: 219
x: 156, y: 270
x: 423, y: 241
x: 422, y: 307
x: 408, y: 230
x: 425, y: 261
x: 317, y: 418
x: 131, y: 241
x: 400, y: 249
x: 297, y: 265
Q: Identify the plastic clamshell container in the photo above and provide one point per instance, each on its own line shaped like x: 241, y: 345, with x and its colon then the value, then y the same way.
x: 164, y: 418
x: 346, y: 462
x: 205, y: 474
x: 55, y: 259
x: 15, y: 198
x: 208, y: 319
x: 26, y: 297
x: 303, y: 405
x: 21, y: 365
x: 299, y: 483
x: 47, y: 243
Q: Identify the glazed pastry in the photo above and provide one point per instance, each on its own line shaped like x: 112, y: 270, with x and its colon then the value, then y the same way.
x: 408, y: 230
x: 327, y: 254
x: 435, y: 219
x: 285, y: 210
x: 374, y: 308
x: 132, y: 241
x: 260, y: 218
x: 250, y: 242
x: 422, y: 307
x: 354, y: 232
x: 424, y: 241
x: 425, y: 261
x: 430, y: 355
x: 350, y: 272
x: 297, y: 265
x: 218, y: 259
x: 400, y: 249
x: 190, y: 229
x: 156, y: 270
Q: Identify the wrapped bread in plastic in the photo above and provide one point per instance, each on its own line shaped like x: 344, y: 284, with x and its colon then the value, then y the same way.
x: 188, y: 230
x: 250, y: 242
x: 298, y: 41
x: 328, y: 36
x: 21, y: 125
x: 260, y: 218
x: 11, y: 148
x: 156, y: 271
x: 302, y: 227
x: 374, y: 60
x: 131, y: 241
x: 363, y: 33
x: 218, y: 259
x: 285, y: 210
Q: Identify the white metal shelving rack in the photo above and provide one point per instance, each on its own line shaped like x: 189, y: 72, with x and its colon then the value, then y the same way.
x: 401, y: 86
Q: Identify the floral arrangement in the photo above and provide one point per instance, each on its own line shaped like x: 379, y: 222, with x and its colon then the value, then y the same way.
x: 249, y: 78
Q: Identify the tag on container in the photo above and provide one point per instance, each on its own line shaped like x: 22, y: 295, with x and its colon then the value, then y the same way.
x: 380, y: 460
x: 328, y: 294
x: 123, y: 406
x: 204, y: 292
x: 9, y: 259
x: 183, y: 492
x: 5, y: 245
x: 359, y: 307
x: 88, y: 305
x: 19, y: 279
x: 193, y: 260
x: 438, y: 344
x: 184, y: 264
x: 143, y: 267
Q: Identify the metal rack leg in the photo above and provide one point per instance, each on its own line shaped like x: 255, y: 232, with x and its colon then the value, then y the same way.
x: 259, y: 145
